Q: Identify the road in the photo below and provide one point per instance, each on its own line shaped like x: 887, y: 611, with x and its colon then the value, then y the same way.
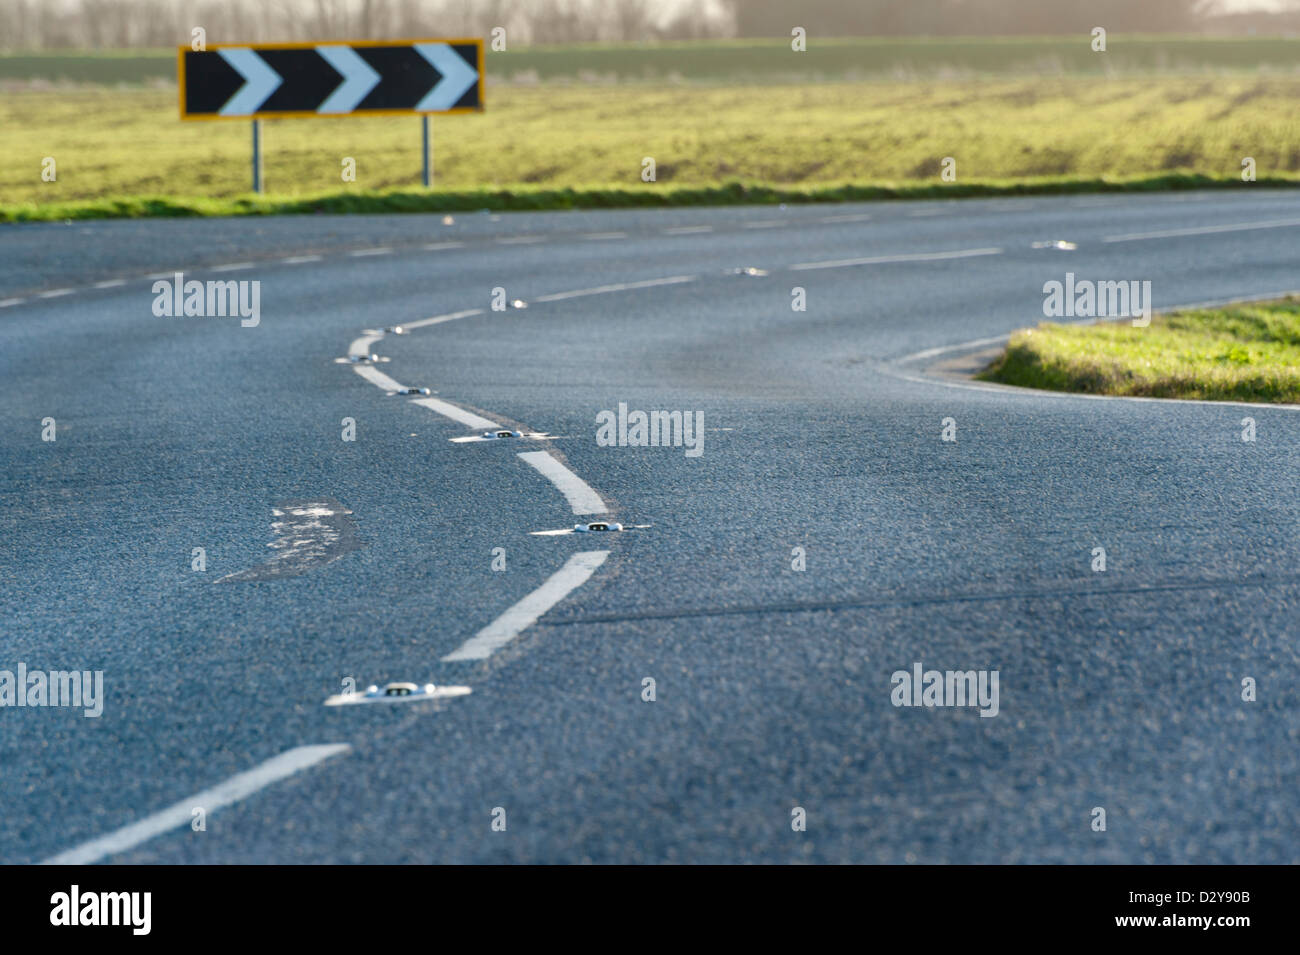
x: 1119, y: 689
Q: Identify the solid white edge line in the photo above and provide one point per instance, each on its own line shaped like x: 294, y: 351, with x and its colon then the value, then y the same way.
x: 1204, y: 230
x: 576, y: 491
x: 455, y: 413
x: 903, y: 257
x: 505, y: 628
x: 179, y: 814
x: 621, y: 287
x: 1016, y: 390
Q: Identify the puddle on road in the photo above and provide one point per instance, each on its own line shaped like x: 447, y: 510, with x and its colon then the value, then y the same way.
x: 308, y: 534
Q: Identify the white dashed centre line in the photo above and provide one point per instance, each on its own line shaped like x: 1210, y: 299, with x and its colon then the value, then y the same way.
x: 376, y: 377
x: 360, y: 347
x: 362, y: 253
x: 300, y: 259
x: 688, y: 229
x: 180, y: 814
x: 456, y: 413
x: 439, y: 319
x: 576, y: 491
x: 233, y: 267
x: 524, y: 614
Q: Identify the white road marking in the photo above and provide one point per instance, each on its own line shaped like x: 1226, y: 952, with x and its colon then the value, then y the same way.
x: 439, y: 319
x: 765, y: 224
x: 455, y: 413
x: 886, y: 259
x: 857, y: 217
x: 376, y: 377
x: 438, y: 246
x: 598, y: 236
x: 1204, y: 230
x: 159, y: 275
x: 300, y: 259
x: 924, y: 213
x: 6, y: 302
x: 56, y: 293
x: 111, y: 283
x: 579, y: 494
x: 621, y: 287
x: 521, y: 240
x: 223, y: 794
x: 524, y: 614
x: 360, y: 347
x: 233, y: 267
x: 688, y: 229
x: 932, y: 352
x: 362, y: 253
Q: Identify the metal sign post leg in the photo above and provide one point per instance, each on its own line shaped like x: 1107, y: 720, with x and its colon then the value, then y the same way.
x: 428, y: 154
x: 257, y: 155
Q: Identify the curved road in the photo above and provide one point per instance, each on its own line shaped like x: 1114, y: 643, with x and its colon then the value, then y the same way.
x: 1119, y: 689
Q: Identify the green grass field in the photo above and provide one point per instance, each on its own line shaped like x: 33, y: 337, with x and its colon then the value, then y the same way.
x: 1236, y: 353
x: 728, y: 128
x: 126, y: 143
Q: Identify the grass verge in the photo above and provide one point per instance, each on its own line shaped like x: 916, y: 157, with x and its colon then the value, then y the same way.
x: 526, y: 200
x: 1248, y: 352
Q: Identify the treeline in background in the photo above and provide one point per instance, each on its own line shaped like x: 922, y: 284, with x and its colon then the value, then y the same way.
x: 135, y: 24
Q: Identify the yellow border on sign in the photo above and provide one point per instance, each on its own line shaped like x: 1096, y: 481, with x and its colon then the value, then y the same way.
x: 308, y: 114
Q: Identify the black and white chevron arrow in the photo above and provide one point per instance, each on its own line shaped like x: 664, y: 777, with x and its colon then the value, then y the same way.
x: 331, y: 79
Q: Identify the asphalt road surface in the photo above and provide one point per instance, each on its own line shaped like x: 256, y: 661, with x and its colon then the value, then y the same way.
x: 372, y: 559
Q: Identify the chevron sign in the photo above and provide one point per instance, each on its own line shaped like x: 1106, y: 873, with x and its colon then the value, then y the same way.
x: 366, y: 78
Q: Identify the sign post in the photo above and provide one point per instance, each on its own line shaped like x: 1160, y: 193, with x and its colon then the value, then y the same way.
x: 428, y: 168
x: 360, y: 78
x: 257, y: 156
